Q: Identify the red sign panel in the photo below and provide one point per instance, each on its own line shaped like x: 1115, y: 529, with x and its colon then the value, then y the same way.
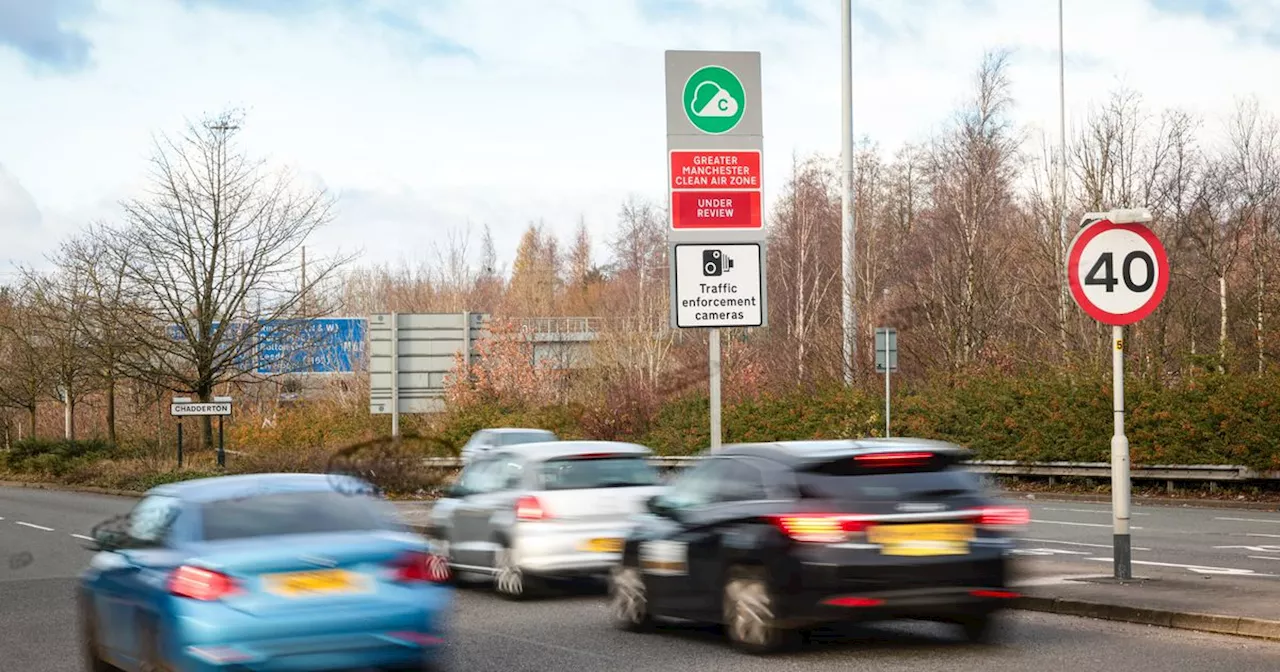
x: 716, y: 210
x: 718, y: 170
x: 716, y: 189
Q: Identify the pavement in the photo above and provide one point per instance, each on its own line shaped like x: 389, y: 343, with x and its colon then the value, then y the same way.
x: 1200, y: 572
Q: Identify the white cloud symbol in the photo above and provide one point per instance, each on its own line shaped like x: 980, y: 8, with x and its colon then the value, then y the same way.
x: 721, y: 104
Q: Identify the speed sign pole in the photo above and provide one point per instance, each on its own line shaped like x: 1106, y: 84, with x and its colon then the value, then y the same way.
x: 1118, y: 272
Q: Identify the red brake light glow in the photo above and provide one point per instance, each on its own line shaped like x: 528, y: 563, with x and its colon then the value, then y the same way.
x: 995, y: 594
x: 821, y: 528
x: 420, y: 567
x: 854, y: 602
x: 893, y: 459
x: 201, y: 584
x: 529, y: 508
x: 1004, y: 516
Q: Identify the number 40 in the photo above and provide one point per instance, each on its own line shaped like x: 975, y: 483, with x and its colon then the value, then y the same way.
x: 1108, y: 278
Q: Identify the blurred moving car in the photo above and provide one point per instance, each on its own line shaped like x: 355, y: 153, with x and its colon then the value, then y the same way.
x: 263, y: 572
x: 523, y: 514
x: 770, y: 538
x: 486, y: 440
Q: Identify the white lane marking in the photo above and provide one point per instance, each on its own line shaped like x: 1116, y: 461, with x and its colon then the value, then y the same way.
x: 1064, y: 522
x: 1265, y: 548
x: 34, y: 526
x: 1249, y: 520
x: 1264, y: 557
x: 1200, y: 569
x: 1077, y: 543
x: 1268, y: 536
x: 81, y: 536
x: 1046, y: 551
x: 1106, y: 511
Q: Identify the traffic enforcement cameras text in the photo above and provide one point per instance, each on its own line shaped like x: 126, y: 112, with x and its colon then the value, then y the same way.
x: 715, y: 263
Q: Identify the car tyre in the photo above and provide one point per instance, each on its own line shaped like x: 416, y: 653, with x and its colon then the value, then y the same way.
x: 979, y: 629
x: 629, y: 600
x: 750, y: 619
x: 509, y: 580
x: 93, y: 661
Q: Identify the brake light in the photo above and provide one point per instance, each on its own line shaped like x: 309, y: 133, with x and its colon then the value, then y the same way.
x: 594, y: 456
x: 910, y: 459
x: 529, y: 508
x: 820, y: 528
x: 420, y: 567
x: 1004, y: 516
x: 995, y: 594
x: 854, y: 602
x: 201, y: 584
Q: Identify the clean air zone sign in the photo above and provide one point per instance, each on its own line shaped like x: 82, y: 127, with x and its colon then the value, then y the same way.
x: 714, y: 99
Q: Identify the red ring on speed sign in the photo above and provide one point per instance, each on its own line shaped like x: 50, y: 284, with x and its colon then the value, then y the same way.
x: 1161, y: 259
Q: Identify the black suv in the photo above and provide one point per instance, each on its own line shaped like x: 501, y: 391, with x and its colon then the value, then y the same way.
x: 771, y: 538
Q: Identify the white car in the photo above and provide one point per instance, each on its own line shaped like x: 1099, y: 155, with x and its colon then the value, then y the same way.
x: 486, y: 440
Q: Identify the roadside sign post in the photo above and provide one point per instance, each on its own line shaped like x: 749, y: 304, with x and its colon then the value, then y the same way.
x: 1118, y: 272
x: 184, y: 406
x: 412, y: 356
x: 886, y: 361
x: 716, y: 199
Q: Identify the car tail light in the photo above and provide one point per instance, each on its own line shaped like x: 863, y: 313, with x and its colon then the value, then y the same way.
x: 909, y: 459
x: 854, y: 602
x: 529, y: 508
x: 1004, y: 516
x: 202, y: 584
x: 820, y: 528
x: 995, y: 594
x: 420, y: 567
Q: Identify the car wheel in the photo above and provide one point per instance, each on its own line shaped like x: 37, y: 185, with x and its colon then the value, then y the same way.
x: 629, y: 600
x: 93, y: 661
x: 979, y: 629
x: 750, y: 621
x: 509, y: 580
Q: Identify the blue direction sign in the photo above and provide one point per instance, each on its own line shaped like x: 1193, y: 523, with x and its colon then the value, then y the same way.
x: 321, y: 345
x: 325, y: 345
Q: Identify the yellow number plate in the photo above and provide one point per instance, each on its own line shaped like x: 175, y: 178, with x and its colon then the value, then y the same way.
x: 311, y: 583
x: 921, y: 540
x: 602, y: 546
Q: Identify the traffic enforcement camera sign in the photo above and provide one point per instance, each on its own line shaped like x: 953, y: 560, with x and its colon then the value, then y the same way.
x: 719, y: 286
x: 1118, y: 272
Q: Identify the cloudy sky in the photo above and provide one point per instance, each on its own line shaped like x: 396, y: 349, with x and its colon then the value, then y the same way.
x: 424, y: 115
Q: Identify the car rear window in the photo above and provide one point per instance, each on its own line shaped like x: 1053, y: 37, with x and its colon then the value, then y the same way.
x: 824, y: 484
x: 517, y: 438
x: 293, y: 513
x: 578, y: 473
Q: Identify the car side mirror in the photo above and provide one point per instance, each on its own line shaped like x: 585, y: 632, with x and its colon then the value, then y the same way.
x: 109, y: 535
x: 657, y: 506
x: 456, y: 491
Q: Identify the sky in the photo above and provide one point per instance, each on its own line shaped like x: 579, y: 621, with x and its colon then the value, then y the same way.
x: 426, y: 117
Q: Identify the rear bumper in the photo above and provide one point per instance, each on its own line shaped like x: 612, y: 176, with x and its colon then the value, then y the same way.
x: 880, y: 589
x: 386, y: 635
x: 560, y: 549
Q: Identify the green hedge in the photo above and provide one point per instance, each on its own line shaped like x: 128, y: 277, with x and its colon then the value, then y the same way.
x: 1047, y: 417
x: 57, y: 457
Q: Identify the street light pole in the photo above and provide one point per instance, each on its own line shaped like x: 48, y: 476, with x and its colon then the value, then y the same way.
x: 848, y: 226
x: 1062, y: 176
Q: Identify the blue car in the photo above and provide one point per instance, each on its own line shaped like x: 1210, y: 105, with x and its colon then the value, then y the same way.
x: 263, y: 572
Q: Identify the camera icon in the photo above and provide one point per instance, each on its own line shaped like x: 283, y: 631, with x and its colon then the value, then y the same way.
x: 715, y: 263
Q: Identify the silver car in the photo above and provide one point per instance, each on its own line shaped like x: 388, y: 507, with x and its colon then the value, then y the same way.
x: 486, y: 440
x: 519, y: 515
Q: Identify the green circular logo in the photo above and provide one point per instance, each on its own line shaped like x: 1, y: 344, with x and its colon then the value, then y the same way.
x: 714, y: 99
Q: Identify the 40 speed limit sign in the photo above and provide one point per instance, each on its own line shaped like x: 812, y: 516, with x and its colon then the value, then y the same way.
x: 1118, y: 272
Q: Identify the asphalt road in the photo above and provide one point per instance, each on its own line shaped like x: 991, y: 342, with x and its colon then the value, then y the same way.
x: 40, y: 557
x: 1199, y: 541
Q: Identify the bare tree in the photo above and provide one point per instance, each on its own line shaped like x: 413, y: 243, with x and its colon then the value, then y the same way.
x: 22, y: 371
x: 971, y: 169
x: 215, y: 256
x: 53, y: 327
x: 99, y: 261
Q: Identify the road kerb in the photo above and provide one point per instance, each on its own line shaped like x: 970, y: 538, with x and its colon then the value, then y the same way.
x: 59, y: 487
x: 1226, y: 625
